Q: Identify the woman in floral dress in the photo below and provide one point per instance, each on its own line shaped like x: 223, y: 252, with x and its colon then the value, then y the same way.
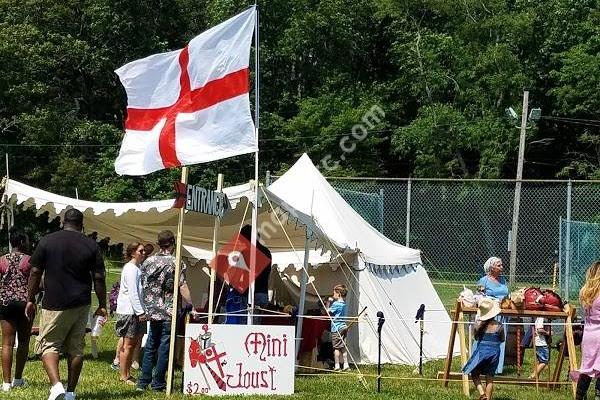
x: 14, y: 275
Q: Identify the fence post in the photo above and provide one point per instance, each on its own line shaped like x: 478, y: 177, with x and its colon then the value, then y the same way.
x: 568, y: 242
x: 561, y: 284
x: 382, y: 208
x: 408, y: 190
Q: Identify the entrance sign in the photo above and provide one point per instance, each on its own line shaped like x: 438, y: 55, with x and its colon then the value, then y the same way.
x: 199, y: 199
x: 239, y: 359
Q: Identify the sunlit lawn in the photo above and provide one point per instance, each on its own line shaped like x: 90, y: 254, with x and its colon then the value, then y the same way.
x: 99, y: 381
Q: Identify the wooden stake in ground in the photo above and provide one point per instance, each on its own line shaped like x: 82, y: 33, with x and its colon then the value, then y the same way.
x: 184, y: 179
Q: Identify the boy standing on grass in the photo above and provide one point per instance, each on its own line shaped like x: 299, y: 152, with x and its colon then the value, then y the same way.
x: 339, y: 329
x: 542, y: 351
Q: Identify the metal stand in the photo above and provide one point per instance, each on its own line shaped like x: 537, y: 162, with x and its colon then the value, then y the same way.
x: 381, y: 320
x: 419, y: 318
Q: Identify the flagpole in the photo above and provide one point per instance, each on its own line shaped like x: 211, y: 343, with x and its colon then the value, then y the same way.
x: 255, y: 208
x: 184, y: 179
x: 213, y: 273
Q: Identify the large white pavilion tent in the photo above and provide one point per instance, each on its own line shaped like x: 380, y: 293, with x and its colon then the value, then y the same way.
x: 299, y: 211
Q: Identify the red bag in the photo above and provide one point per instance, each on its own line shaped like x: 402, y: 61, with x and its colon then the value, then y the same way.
x: 551, y: 301
x: 533, y: 299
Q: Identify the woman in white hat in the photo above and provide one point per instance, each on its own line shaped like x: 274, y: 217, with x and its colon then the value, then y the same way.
x: 489, y: 335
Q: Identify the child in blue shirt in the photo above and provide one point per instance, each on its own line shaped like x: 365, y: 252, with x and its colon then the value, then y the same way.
x: 339, y: 329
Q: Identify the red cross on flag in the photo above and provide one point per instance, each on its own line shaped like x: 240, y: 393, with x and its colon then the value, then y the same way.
x: 191, y: 105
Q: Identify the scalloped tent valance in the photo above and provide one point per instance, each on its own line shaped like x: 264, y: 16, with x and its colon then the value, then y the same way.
x: 385, y: 276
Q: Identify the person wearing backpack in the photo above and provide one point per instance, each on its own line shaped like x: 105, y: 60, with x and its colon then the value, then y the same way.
x: 14, y: 275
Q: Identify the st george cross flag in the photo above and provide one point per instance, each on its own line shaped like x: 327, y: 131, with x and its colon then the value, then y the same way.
x: 191, y: 105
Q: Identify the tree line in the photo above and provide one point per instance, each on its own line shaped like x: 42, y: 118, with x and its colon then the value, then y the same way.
x: 442, y: 72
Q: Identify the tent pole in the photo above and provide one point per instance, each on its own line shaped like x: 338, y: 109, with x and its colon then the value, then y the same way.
x: 408, y: 200
x: 9, y: 210
x: 255, y: 208
x: 213, y: 274
x: 303, y: 282
x: 184, y: 179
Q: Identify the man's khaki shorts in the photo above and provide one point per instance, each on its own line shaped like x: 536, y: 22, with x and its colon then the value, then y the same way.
x: 63, y: 331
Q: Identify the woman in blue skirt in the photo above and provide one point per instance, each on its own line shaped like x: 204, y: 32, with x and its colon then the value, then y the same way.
x: 493, y: 284
x: 489, y: 335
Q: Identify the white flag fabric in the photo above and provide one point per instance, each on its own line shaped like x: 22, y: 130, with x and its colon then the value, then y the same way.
x: 192, y: 105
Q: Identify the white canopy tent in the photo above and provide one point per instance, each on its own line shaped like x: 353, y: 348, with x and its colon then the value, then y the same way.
x: 299, y: 212
x: 386, y: 276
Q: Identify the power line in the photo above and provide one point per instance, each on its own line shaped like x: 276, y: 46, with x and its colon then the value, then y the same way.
x: 282, y: 139
x: 571, y: 119
x: 574, y: 121
x: 567, y: 120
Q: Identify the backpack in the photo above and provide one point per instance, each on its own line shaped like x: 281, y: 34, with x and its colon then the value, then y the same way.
x: 533, y: 299
x: 552, y: 301
x: 113, y: 296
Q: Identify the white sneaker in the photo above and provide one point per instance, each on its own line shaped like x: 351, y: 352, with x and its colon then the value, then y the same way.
x: 6, y: 387
x: 19, y: 383
x: 57, y: 392
x: 70, y: 396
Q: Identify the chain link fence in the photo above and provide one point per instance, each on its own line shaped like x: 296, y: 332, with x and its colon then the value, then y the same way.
x: 579, y: 247
x: 458, y: 224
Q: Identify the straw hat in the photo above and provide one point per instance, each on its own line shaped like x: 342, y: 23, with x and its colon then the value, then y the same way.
x: 488, y: 308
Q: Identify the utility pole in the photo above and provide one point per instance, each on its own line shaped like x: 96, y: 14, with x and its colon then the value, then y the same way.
x: 517, y: 202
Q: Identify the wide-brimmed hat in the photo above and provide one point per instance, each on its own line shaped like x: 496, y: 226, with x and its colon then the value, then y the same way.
x: 488, y: 308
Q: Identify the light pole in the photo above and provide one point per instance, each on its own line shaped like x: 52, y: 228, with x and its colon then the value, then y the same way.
x: 535, y: 115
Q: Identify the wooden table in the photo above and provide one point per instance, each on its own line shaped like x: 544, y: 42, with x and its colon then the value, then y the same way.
x: 458, y: 325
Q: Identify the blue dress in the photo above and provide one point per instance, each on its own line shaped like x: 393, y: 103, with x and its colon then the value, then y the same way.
x: 486, y: 356
x: 497, y: 290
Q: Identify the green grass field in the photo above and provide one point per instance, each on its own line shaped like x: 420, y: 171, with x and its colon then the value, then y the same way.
x: 99, y: 381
